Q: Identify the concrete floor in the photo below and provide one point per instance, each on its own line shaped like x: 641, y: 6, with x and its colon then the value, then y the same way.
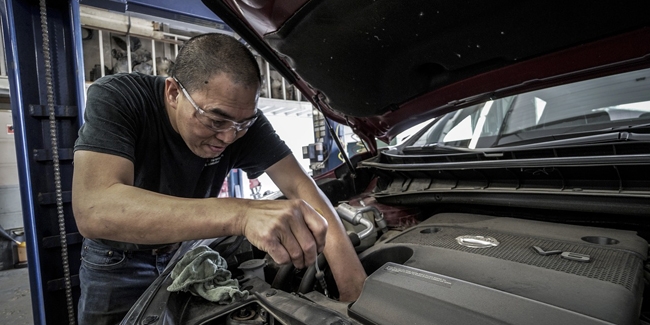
x: 15, y: 299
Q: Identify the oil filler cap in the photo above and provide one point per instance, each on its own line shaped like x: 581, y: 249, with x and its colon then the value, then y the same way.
x: 473, y: 241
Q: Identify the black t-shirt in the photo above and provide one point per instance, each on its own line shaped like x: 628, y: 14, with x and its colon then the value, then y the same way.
x: 126, y: 116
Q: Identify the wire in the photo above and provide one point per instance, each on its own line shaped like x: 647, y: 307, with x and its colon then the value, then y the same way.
x: 320, y: 276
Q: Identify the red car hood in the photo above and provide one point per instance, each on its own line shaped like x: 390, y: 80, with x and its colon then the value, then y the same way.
x: 383, y: 66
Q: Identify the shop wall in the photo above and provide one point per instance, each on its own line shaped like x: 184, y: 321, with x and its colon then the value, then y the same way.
x: 10, y: 207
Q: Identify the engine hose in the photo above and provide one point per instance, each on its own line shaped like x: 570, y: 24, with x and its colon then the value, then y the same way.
x: 215, y: 243
x: 307, y: 283
x: 283, y: 278
x: 232, y: 247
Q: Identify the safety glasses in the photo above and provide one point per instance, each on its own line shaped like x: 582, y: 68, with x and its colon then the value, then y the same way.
x: 214, y: 123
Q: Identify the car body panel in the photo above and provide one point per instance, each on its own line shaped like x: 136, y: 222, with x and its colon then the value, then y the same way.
x: 383, y: 66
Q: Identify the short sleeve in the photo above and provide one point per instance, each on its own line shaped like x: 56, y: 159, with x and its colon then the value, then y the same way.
x: 110, y: 122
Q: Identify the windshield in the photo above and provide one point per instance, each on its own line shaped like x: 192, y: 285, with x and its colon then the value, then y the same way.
x: 531, y: 117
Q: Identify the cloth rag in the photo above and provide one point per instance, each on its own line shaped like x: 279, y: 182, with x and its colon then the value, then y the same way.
x: 203, y: 272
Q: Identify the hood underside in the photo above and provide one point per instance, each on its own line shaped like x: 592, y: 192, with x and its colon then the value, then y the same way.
x: 383, y: 66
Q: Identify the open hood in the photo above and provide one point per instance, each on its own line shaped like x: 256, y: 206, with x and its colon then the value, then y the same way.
x: 383, y: 66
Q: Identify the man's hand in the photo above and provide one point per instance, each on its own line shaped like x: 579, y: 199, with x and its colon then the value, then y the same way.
x: 288, y: 230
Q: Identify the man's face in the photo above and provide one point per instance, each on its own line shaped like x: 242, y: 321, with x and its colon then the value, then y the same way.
x: 207, y: 127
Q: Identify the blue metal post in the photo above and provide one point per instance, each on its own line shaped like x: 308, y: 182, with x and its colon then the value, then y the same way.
x: 26, y: 71
x: 235, y: 180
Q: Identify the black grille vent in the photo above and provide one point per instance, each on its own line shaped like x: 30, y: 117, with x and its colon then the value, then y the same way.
x: 610, y: 265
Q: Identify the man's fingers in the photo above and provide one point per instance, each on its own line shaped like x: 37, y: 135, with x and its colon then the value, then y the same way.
x: 306, y: 244
x: 295, y: 250
x: 317, y: 225
x: 288, y: 250
x: 308, y: 230
x: 295, y: 235
x: 306, y: 236
x: 278, y: 253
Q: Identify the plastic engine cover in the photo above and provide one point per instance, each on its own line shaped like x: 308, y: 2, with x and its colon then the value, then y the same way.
x: 469, y: 269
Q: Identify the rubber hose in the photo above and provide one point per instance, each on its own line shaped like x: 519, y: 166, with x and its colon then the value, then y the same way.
x: 307, y: 283
x: 283, y: 277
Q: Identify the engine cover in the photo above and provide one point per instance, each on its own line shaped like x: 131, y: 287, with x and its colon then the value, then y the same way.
x: 467, y: 269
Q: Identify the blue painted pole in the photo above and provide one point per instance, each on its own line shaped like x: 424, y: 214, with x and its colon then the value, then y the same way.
x: 9, y: 28
x: 24, y: 46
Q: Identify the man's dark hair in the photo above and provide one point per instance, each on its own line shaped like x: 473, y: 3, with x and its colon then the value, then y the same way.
x: 207, y: 55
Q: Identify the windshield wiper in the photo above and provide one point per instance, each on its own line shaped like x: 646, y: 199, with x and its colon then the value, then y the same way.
x: 437, y: 148
x: 615, y: 134
x: 578, y: 138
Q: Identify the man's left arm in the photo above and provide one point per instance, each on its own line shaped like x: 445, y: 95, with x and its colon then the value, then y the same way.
x: 294, y: 183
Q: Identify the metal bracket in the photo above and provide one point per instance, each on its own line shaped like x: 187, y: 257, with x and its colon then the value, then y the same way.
x: 59, y: 111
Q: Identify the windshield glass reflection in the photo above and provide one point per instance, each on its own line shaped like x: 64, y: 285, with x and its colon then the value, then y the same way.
x: 602, y: 103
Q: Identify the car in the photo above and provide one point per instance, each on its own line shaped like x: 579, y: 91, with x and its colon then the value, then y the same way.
x: 523, y: 194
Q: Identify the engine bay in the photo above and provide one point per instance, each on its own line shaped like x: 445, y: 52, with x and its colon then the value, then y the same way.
x: 447, y: 268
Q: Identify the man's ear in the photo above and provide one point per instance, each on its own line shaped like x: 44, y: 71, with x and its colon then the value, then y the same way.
x: 172, y: 91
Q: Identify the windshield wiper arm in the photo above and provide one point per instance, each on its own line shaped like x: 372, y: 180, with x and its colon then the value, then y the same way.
x: 562, y: 140
x: 438, y: 148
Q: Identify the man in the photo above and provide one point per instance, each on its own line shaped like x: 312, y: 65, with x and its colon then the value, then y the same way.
x: 149, y: 163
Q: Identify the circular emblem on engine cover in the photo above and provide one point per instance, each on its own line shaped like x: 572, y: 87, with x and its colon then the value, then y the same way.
x: 477, y: 241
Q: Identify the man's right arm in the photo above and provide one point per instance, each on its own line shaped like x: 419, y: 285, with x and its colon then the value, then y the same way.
x: 106, y: 205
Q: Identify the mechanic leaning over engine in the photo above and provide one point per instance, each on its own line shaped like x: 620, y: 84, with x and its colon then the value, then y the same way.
x: 150, y: 161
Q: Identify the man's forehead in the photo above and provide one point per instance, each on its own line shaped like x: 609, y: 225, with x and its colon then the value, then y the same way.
x: 219, y: 97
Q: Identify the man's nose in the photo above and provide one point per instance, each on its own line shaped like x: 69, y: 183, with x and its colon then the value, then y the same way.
x: 227, y: 136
